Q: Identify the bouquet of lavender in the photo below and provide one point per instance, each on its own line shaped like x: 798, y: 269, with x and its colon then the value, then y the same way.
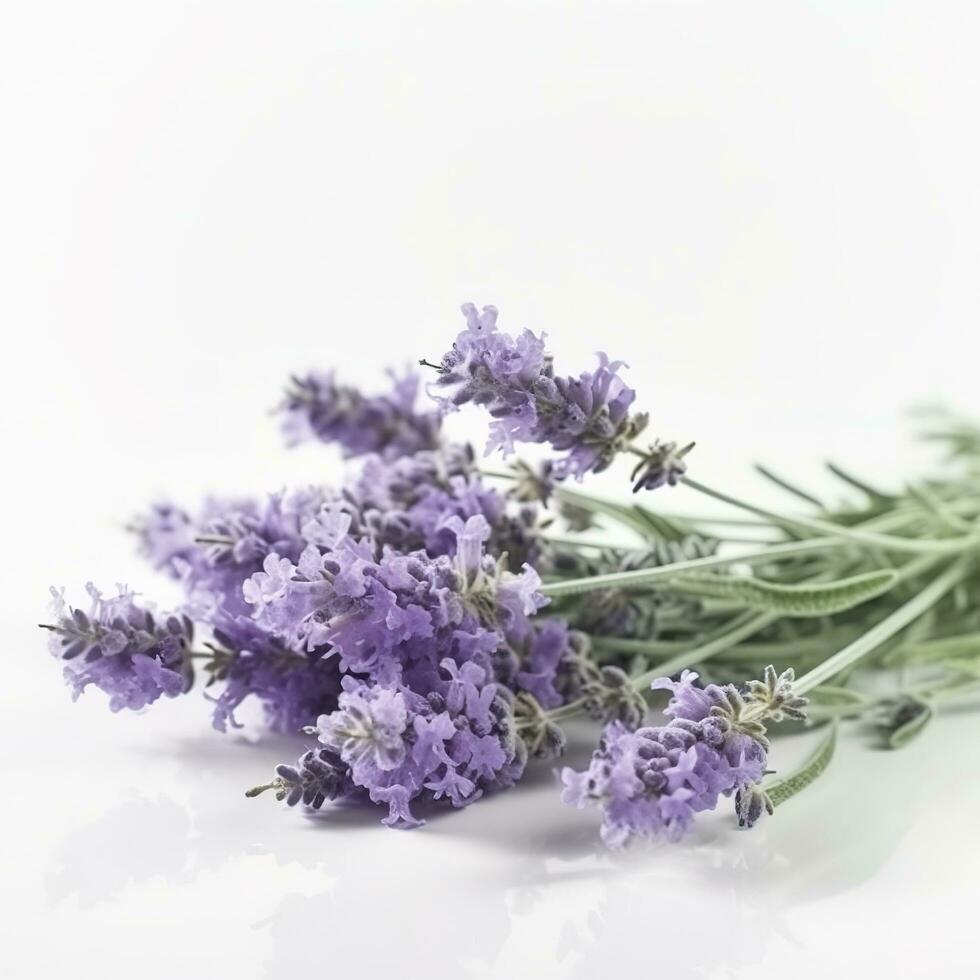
x: 432, y: 623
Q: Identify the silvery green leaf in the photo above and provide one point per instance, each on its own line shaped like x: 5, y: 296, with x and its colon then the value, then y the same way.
x: 875, y: 495
x: 660, y: 527
x: 788, y: 487
x: 789, y: 600
x: 782, y: 790
x: 938, y: 651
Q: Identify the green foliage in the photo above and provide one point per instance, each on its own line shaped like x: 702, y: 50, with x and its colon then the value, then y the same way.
x: 782, y: 790
x: 804, y: 601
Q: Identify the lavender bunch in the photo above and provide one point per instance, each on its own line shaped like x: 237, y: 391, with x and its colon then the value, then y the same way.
x: 433, y: 630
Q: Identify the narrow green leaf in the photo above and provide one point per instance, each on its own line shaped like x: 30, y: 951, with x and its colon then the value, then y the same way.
x: 617, y: 512
x: 876, y: 495
x: 642, y: 576
x: 661, y: 527
x: 938, y: 651
x: 943, y: 514
x: 805, y: 600
x: 788, y: 487
x: 784, y: 789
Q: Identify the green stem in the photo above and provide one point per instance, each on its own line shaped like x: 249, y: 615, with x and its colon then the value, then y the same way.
x: 784, y: 789
x: 740, y: 629
x: 885, y: 629
x: 943, y: 648
x: 789, y: 549
x: 945, y: 546
x: 213, y: 539
x: 641, y: 576
x: 751, y: 652
x: 743, y: 626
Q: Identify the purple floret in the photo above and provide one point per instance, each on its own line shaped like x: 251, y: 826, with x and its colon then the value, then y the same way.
x: 586, y: 417
x: 316, y: 407
x: 395, y: 617
x: 454, y: 743
x: 166, y: 537
x: 405, y: 503
x: 651, y: 782
x: 294, y: 689
x: 121, y: 648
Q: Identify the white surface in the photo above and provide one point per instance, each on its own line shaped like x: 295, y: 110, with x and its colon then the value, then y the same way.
x: 769, y: 209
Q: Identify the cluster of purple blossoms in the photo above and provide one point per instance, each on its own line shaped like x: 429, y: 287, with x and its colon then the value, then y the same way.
x: 455, y: 742
x: 394, y: 617
x: 398, y: 612
x: 121, y: 648
x: 586, y: 417
x: 212, y: 553
x: 421, y: 642
x: 652, y: 781
x: 316, y: 407
x: 248, y: 662
x: 405, y: 504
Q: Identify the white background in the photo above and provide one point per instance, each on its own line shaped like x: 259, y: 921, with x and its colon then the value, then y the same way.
x: 770, y: 210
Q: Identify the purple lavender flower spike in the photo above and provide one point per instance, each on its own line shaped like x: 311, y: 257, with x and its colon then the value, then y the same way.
x: 395, y: 617
x: 662, y: 464
x: 317, y: 777
x: 166, y: 537
x: 586, y: 417
x: 653, y: 781
x: 547, y: 649
x: 122, y: 649
x: 405, y: 503
x: 316, y: 407
x: 366, y: 731
x: 455, y: 743
x: 293, y: 688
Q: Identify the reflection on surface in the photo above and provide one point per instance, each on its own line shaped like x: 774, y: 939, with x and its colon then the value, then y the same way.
x: 131, y: 842
x: 478, y: 888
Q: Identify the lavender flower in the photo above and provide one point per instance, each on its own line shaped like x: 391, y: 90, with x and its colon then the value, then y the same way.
x: 586, y: 417
x: 316, y: 407
x: 121, y: 648
x: 543, y: 654
x: 395, y: 617
x: 317, y: 777
x: 454, y: 743
x: 213, y: 553
x: 405, y: 503
x: 402, y: 503
x: 652, y: 781
x: 662, y: 464
x: 294, y: 689
x: 166, y: 537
